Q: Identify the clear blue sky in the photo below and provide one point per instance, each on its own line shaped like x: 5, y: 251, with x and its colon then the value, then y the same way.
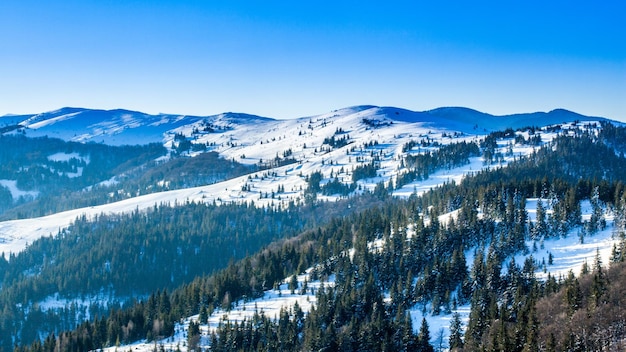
x: 299, y: 58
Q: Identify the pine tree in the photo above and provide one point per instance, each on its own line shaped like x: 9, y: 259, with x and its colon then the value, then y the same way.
x: 293, y: 284
x: 424, y: 338
x: 408, y: 338
x: 573, y: 294
x: 596, y: 221
x: 203, y: 318
x: 532, y: 329
x: 599, y: 284
x: 456, y: 333
x: 193, y: 336
x: 541, y: 228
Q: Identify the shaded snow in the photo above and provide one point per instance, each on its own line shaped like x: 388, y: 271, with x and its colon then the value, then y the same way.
x: 16, y: 193
x: 64, y: 157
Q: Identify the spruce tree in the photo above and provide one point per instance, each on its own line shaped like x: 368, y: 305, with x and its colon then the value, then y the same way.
x: 456, y: 333
x: 424, y: 338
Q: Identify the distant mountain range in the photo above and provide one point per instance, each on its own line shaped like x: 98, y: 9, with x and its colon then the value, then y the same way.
x: 118, y: 127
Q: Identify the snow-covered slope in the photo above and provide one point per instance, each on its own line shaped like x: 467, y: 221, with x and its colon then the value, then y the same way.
x: 291, y: 151
x: 119, y: 126
x: 369, y: 135
x: 114, y: 127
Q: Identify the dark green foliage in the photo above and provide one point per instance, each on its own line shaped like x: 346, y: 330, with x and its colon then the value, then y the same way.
x: 448, y: 156
x: 337, y: 142
x: 6, y: 199
x: 163, y: 248
x: 142, y: 252
x: 337, y: 187
x: 613, y: 136
x: 424, y: 338
x: 364, y: 171
x: 152, y: 176
x: 26, y: 161
x: 456, y: 333
x: 376, y: 123
x: 193, y: 336
x: 136, y: 254
x: 63, y: 185
x: 350, y: 315
x: 313, y: 187
x: 182, y: 143
x: 202, y: 169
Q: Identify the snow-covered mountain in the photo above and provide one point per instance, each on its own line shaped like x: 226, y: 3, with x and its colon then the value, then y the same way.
x: 117, y: 127
x: 114, y: 127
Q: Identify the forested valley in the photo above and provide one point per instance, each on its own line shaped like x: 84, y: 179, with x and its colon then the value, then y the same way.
x: 386, y: 257
x: 50, y: 169
x: 57, y: 175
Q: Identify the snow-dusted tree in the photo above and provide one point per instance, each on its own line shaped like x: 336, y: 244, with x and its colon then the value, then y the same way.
x: 596, y: 222
x: 541, y: 227
x: 456, y: 333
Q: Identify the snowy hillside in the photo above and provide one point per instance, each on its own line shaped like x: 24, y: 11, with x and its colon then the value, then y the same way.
x: 333, y: 144
x: 567, y: 254
x: 369, y: 135
x: 114, y: 127
x: 344, y: 139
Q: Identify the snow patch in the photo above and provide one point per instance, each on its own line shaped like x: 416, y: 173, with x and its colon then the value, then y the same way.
x: 16, y: 193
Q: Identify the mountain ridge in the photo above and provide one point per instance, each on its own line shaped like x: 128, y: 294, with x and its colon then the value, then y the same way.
x: 122, y: 126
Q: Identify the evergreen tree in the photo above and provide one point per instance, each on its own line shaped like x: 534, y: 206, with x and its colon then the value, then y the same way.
x: 193, y: 336
x: 203, y: 318
x: 456, y: 333
x: 541, y: 227
x: 599, y: 284
x: 424, y: 338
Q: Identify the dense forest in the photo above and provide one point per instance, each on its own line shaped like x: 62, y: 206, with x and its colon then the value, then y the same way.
x: 50, y: 167
x: 422, y: 263
x: 118, y: 257
x: 92, y: 174
x: 421, y: 165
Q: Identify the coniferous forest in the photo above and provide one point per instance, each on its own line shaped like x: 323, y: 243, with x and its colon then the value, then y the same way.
x: 178, y: 260
x: 92, y: 174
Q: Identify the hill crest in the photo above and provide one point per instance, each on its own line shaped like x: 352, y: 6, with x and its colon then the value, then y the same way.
x: 121, y: 126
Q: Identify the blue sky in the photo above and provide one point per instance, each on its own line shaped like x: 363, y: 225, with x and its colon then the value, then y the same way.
x: 300, y: 58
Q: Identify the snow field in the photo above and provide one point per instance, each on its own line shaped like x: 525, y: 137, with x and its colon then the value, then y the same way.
x: 16, y: 193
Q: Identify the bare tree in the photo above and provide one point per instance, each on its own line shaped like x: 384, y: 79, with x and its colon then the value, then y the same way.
x: 440, y: 341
